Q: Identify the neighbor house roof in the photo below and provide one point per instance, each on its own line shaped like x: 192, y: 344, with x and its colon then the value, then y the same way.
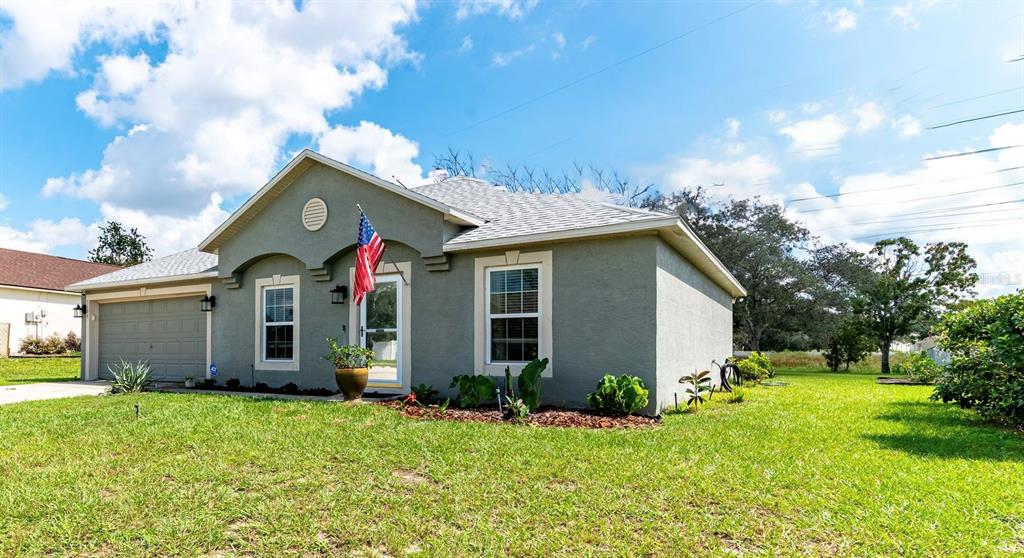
x: 190, y: 264
x: 40, y: 271
x: 293, y: 170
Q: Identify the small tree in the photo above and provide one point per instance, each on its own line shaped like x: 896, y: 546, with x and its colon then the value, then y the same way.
x: 849, y: 344
x: 120, y: 246
x: 910, y: 289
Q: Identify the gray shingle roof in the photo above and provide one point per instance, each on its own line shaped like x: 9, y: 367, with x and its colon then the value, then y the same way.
x: 511, y: 214
x: 189, y: 262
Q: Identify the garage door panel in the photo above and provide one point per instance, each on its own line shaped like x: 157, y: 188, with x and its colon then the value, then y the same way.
x: 168, y: 333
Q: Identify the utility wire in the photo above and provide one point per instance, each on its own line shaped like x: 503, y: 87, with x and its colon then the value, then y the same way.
x: 974, y: 98
x: 600, y: 71
x: 989, y: 150
x: 940, y: 210
x: 974, y: 119
x: 905, y: 218
x: 792, y: 200
x: 894, y: 233
x: 918, y: 199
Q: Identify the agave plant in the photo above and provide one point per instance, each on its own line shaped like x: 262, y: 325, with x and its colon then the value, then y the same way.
x: 697, y: 388
x: 130, y: 377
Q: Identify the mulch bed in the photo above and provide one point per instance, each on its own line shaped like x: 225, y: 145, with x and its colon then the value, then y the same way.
x: 544, y: 416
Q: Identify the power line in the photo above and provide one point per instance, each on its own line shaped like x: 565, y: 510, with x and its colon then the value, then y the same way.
x: 974, y: 98
x: 905, y: 218
x: 975, y: 119
x: 989, y: 150
x: 887, y: 188
x: 894, y: 232
x: 600, y: 71
x: 918, y: 199
x: 939, y: 210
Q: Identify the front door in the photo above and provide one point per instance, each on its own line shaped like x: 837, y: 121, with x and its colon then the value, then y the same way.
x: 381, y: 330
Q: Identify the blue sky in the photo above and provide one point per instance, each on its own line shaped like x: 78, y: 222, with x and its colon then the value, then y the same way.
x: 167, y: 117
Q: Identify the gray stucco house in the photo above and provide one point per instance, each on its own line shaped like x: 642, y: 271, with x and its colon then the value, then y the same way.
x: 475, y: 279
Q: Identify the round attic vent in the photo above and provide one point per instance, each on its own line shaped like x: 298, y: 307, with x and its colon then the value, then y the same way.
x: 314, y: 214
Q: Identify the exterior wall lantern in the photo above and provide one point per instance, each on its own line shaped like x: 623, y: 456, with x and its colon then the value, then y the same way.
x: 80, y: 310
x: 338, y: 294
x: 207, y: 303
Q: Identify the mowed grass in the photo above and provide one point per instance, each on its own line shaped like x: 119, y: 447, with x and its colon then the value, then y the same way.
x: 829, y: 465
x: 31, y: 370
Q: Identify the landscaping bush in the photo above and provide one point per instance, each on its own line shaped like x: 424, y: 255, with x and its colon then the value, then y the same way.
x: 233, y: 383
x: 986, y: 341
x: 72, y: 343
x: 53, y: 344
x: 130, y: 377
x: 849, y: 345
x: 756, y: 368
x: 624, y: 395
x: 424, y: 393
x: 919, y: 368
x: 474, y: 390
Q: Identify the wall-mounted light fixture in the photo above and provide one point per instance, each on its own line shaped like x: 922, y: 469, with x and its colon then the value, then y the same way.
x: 338, y: 294
x: 207, y: 303
x: 80, y: 310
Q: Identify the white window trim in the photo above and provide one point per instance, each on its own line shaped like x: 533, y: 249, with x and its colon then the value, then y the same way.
x: 405, y: 362
x: 277, y: 365
x: 481, y: 295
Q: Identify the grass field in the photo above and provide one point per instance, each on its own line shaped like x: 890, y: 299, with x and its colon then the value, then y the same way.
x: 832, y: 464
x: 30, y: 370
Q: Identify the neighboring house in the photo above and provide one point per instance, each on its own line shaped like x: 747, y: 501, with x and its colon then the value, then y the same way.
x: 33, y: 301
x: 475, y: 279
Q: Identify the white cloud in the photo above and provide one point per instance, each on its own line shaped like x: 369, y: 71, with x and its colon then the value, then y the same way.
x: 907, y: 13
x: 467, y: 44
x: 810, y: 107
x: 907, y: 125
x: 869, y: 116
x: 559, y: 40
x: 585, y: 43
x: 211, y: 117
x: 927, y: 203
x: 4, y: 202
x: 168, y: 234
x: 733, y: 126
x: 776, y: 116
x: 389, y: 155
x: 43, y: 235
x: 742, y: 178
x: 816, y: 137
x: 509, y: 9
x: 500, y: 59
x: 841, y: 19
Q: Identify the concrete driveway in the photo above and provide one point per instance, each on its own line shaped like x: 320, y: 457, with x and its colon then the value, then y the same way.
x: 51, y: 390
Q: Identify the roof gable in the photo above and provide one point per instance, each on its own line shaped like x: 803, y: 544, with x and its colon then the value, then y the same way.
x: 42, y: 271
x: 302, y: 162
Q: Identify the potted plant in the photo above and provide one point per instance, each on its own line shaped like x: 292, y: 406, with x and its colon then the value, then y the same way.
x: 351, y: 367
x: 190, y: 382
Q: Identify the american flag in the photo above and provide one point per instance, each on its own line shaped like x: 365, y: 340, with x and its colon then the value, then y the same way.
x: 369, y: 251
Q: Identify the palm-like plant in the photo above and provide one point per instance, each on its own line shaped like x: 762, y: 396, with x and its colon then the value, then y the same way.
x: 697, y: 388
x: 130, y: 377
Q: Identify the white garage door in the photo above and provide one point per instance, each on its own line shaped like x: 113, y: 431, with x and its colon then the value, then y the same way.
x: 169, y: 333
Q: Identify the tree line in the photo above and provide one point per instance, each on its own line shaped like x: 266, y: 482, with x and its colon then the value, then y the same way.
x: 802, y: 293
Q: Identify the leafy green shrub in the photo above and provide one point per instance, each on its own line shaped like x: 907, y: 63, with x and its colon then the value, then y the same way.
x: 986, y: 341
x: 130, y: 377
x: 474, y: 390
x: 756, y: 368
x: 233, y: 383
x: 697, y: 388
x: 529, y: 382
x: 348, y: 356
x: 919, y: 368
x: 624, y: 395
x: 849, y: 345
x: 424, y: 393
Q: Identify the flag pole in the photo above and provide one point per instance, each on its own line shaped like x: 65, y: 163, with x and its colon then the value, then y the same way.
x: 388, y: 254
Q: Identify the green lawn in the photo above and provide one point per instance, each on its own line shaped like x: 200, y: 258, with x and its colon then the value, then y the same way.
x: 30, y: 370
x: 828, y: 465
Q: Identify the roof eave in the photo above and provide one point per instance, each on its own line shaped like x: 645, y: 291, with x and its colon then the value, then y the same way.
x: 80, y: 288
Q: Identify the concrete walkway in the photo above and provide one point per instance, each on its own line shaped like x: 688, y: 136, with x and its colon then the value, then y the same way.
x: 51, y: 390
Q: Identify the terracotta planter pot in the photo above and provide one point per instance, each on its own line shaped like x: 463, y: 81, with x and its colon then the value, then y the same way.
x: 352, y: 382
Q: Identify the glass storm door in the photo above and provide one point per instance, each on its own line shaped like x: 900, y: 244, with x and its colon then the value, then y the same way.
x: 380, y: 330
